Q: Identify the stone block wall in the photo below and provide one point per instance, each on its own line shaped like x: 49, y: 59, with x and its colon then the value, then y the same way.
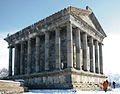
x: 56, y: 81
x: 85, y: 82
x: 66, y: 80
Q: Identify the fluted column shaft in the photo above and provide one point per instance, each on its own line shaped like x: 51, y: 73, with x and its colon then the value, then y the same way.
x: 10, y: 61
x: 16, y: 69
x: 37, y: 54
x: 69, y: 46
x: 96, y: 57
x: 78, y: 50
x: 46, y: 51
x: 100, y: 58
x: 85, y: 57
x: 15, y: 60
x: 91, y: 54
x: 29, y: 57
x: 22, y: 58
x: 57, y: 43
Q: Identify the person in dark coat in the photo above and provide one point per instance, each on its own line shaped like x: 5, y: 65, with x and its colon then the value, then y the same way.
x: 107, y: 81
x: 114, y: 84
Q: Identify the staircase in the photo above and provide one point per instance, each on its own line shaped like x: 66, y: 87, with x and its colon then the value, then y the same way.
x: 10, y: 87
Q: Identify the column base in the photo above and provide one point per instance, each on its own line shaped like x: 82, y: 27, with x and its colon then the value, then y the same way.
x: 92, y: 71
x: 85, y: 70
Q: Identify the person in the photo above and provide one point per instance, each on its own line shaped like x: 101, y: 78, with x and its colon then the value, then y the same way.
x: 62, y: 65
x: 107, y: 82
x: 110, y: 84
x: 114, y: 84
x: 105, y: 85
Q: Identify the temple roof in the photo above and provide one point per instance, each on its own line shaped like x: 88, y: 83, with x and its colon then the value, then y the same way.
x: 85, y: 15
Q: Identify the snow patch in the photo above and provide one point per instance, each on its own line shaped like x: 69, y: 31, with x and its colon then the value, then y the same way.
x: 8, y: 81
x: 114, y: 91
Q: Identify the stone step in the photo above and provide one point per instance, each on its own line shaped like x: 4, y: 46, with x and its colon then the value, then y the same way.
x: 11, y: 90
x: 11, y: 87
x: 9, y: 84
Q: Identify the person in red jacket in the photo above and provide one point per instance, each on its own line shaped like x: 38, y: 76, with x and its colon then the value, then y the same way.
x: 105, y: 86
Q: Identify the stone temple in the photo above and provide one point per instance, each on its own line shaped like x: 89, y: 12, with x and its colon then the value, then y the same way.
x: 62, y: 51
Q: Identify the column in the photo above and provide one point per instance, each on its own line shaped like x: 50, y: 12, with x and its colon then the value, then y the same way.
x: 57, y: 43
x: 10, y: 61
x: 100, y: 58
x: 15, y: 60
x: 29, y: 57
x: 37, y: 54
x: 69, y: 46
x: 85, y: 57
x: 74, y: 54
x: 46, y: 51
x: 22, y: 59
x: 96, y: 57
x: 78, y: 50
x: 91, y: 54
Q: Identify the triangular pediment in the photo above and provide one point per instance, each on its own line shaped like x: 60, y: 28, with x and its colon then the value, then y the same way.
x: 89, y: 17
x: 96, y: 23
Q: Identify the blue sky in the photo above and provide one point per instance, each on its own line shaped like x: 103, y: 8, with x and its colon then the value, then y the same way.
x: 17, y: 14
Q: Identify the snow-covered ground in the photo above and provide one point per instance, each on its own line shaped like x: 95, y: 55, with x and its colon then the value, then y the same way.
x: 114, y: 91
x: 16, y: 81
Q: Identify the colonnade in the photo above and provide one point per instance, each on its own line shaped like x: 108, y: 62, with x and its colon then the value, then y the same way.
x: 81, y: 53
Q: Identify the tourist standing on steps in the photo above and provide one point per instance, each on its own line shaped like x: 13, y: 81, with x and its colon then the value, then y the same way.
x: 114, y: 84
x: 105, y: 85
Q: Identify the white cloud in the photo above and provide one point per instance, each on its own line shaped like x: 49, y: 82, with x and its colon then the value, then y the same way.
x: 3, y: 35
x: 4, y: 51
x: 111, y: 54
x: 3, y: 54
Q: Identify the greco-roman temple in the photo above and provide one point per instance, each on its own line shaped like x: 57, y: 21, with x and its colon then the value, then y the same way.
x: 62, y: 51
